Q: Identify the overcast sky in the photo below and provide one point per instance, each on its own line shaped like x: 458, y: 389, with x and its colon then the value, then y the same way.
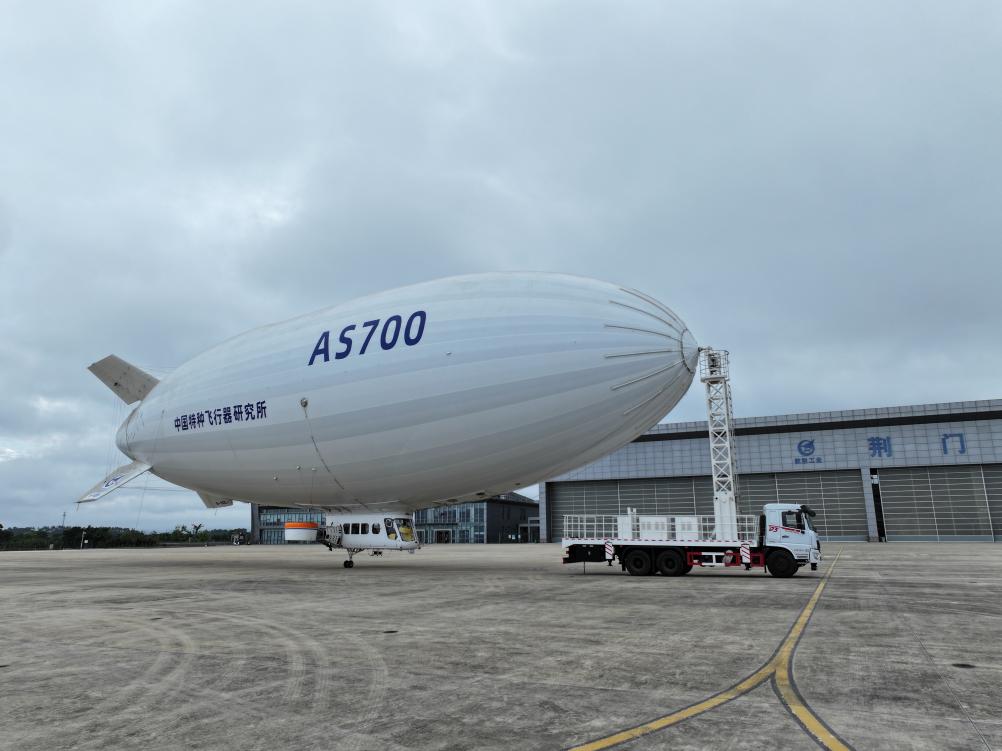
x: 815, y: 186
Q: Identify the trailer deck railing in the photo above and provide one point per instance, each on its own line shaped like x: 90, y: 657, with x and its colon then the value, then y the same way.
x: 642, y: 527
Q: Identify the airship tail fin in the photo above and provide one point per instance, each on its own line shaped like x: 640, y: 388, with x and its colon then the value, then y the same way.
x: 215, y: 501
x: 115, y: 480
x: 128, y: 382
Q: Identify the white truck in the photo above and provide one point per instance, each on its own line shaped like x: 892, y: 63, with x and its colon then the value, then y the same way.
x: 781, y: 539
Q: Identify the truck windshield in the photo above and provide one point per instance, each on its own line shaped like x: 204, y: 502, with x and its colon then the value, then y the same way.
x: 406, y: 530
x: 807, y: 522
x: 793, y: 519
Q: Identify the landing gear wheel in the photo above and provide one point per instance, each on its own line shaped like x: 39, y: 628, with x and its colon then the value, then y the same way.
x: 637, y: 563
x: 349, y: 564
x: 781, y: 564
x: 670, y: 563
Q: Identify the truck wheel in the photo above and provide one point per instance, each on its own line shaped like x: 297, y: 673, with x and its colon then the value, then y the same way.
x: 781, y: 564
x: 637, y: 563
x: 686, y: 568
x: 670, y: 563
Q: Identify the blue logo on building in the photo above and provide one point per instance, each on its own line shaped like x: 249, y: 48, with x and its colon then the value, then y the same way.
x: 806, y: 450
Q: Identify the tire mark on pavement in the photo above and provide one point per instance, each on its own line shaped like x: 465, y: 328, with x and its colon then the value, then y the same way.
x: 779, y: 669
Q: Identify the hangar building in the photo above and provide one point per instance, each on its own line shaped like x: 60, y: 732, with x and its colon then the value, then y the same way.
x: 924, y: 472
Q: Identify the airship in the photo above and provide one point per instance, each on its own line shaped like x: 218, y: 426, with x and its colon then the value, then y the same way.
x: 439, y: 392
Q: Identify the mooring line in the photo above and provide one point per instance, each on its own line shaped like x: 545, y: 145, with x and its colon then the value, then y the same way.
x: 778, y: 668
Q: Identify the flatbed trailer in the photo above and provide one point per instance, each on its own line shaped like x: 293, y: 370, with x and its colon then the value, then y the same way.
x: 781, y: 540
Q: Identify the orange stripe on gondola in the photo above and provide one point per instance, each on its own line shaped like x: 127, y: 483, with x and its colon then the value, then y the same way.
x: 302, y: 525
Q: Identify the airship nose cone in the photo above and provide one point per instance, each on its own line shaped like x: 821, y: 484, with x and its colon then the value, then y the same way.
x: 655, y: 354
x: 690, y: 351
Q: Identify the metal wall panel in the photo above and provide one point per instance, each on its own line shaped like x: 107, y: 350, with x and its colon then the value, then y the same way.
x: 941, y: 435
x: 655, y: 497
x: 837, y: 496
x: 906, y: 500
x: 936, y: 503
x: 842, y: 506
x: 958, y: 495
x: 992, y: 474
x: 754, y: 491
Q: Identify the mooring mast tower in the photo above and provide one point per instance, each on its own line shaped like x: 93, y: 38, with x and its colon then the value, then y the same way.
x: 714, y: 373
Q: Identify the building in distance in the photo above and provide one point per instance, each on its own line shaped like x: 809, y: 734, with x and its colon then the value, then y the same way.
x: 509, y: 517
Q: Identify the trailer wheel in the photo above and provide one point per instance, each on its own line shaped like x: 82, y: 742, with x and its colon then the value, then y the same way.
x: 781, y: 564
x: 670, y: 563
x: 637, y: 563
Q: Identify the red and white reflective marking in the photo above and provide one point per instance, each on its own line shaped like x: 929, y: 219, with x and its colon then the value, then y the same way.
x: 777, y: 528
x: 609, y: 551
x: 745, y: 553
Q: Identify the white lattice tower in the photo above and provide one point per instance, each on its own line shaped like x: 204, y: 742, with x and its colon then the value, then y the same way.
x: 713, y: 371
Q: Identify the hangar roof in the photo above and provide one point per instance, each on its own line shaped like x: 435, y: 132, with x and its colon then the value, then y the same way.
x: 918, y: 414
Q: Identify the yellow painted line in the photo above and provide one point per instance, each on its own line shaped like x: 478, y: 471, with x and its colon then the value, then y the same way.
x: 784, y: 679
x: 778, y: 665
x: 753, y: 680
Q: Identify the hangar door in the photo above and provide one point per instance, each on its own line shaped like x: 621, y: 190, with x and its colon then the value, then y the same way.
x: 993, y: 490
x: 837, y: 497
x: 655, y: 497
x: 937, y: 503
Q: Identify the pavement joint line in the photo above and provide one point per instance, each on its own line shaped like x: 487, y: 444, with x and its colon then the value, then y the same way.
x: 932, y: 663
x: 778, y: 670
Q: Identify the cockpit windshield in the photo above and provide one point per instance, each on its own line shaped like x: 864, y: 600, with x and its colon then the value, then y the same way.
x: 406, y: 530
x: 391, y: 532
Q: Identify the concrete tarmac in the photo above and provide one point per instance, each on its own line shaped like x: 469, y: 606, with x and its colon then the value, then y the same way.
x: 496, y: 647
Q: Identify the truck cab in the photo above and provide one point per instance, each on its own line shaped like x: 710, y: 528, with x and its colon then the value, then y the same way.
x: 788, y: 527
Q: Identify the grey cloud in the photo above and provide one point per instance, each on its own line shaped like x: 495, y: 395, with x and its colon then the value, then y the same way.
x: 813, y: 187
